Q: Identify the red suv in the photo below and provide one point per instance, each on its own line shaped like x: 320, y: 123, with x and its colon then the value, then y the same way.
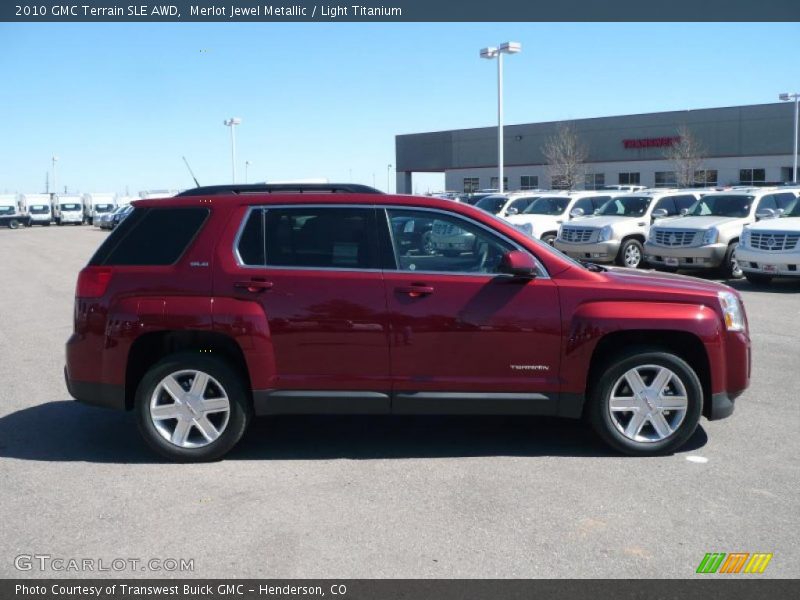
x: 224, y: 302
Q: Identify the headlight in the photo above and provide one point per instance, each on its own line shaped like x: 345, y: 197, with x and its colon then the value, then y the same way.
x: 732, y: 311
x: 711, y: 236
x: 606, y: 233
x: 526, y: 228
x: 745, y: 240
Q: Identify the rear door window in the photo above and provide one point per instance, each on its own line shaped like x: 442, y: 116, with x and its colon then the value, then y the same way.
x: 321, y: 237
x: 151, y: 237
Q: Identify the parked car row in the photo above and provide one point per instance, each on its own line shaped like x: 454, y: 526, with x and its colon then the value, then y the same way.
x: 25, y: 210
x: 750, y: 232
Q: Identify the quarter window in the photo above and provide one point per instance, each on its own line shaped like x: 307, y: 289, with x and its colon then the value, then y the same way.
x: 431, y: 241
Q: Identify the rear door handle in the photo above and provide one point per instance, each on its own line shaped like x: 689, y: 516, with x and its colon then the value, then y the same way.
x: 414, y: 291
x: 254, y: 286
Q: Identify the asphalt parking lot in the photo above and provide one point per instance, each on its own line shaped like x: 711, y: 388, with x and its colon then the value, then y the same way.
x: 352, y: 497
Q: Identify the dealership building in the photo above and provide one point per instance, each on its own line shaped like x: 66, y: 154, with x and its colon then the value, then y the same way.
x: 742, y: 145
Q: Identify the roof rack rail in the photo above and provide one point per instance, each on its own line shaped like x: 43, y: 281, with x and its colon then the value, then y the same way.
x: 280, y: 188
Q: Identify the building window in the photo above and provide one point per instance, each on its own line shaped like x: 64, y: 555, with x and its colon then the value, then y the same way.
x: 629, y: 178
x: 752, y: 176
x: 493, y: 184
x: 471, y: 184
x: 595, y: 181
x: 529, y: 182
x: 666, y: 179
x: 705, y: 178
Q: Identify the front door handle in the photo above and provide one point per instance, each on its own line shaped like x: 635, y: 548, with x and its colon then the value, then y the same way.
x: 415, y: 291
x: 254, y: 286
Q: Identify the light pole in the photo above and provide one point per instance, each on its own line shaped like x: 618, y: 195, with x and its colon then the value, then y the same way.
x: 388, y: 179
x: 55, y: 181
x: 232, y: 123
x: 247, y: 163
x: 796, y: 98
x: 489, y: 53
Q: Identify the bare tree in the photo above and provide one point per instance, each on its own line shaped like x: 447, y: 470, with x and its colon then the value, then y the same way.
x: 687, y: 154
x: 566, y: 155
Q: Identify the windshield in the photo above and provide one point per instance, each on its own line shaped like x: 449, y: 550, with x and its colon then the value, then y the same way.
x: 491, y: 204
x: 626, y: 206
x: 6, y: 210
x: 548, y: 205
x: 722, y: 206
x: 792, y: 209
x: 39, y: 210
x: 70, y: 207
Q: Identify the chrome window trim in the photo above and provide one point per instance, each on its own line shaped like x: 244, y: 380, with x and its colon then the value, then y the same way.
x: 541, y: 271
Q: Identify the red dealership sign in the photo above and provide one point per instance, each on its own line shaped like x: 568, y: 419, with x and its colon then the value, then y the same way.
x: 659, y: 142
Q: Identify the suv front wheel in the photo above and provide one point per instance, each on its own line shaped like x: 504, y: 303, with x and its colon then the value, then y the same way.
x: 647, y: 402
x: 192, y: 408
x: 630, y: 254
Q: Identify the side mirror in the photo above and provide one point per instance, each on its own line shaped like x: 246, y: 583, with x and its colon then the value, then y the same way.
x: 512, y: 211
x: 684, y: 211
x: 766, y: 213
x: 576, y: 212
x: 596, y: 211
x: 660, y: 213
x: 518, y: 264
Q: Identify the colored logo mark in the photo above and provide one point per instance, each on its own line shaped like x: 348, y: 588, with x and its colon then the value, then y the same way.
x: 735, y: 562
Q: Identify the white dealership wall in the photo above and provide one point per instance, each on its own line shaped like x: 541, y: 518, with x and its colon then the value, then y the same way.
x: 727, y: 171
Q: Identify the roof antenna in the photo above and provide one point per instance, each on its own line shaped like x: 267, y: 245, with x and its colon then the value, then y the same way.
x: 196, y: 183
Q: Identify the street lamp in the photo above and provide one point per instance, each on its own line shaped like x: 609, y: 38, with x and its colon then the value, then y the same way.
x: 388, y: 179
x: 233, y: 122
x: 796, y: 98
x: 55, y: 183
x: 247, y: 163
x: 489, y: 53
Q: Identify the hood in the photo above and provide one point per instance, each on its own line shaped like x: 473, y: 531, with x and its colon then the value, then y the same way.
x: 657, y: 279
x: 699, y: 223
x: 598, y: 222
x: 789, y: 224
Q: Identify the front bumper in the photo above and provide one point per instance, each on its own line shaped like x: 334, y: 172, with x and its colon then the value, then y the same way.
x: 710, y: 256
x: 72, y: 218
x: 778, y: 264
x: 595, y: 252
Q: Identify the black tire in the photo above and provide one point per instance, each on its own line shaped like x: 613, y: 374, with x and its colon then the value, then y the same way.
x: 758, y: 278
x: 58, y: 222
x: 230, y: 380
x: 729, y: 268
x: 599, y: 413
x: 549, y: 239
x: 46, y: 223
x: 13, y: 224
x: 630, y: 247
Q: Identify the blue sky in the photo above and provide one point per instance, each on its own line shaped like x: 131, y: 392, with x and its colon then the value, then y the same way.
x: 121, y: 103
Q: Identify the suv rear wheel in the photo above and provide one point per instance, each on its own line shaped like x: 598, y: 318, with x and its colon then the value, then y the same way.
x: 647, y: 402
x: 192, y: 408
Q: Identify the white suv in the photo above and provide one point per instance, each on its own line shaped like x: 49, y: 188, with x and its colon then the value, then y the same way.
x: 617, y: 232
x: 545, y: 215
x: 771, y: 247
x: 503, y: 205
x: 707, y: 236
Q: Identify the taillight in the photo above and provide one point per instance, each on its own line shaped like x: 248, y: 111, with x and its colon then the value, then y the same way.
x: 92, y: 282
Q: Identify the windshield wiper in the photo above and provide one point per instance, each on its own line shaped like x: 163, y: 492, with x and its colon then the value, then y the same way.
x: 594, y: 267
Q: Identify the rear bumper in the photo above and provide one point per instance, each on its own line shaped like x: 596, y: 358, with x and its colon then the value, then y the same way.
x: 96, y: 394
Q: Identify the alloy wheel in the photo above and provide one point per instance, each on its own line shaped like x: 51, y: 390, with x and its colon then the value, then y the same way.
x: 189, y: 409
x: 633, y: 256
x: 648, y: 403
